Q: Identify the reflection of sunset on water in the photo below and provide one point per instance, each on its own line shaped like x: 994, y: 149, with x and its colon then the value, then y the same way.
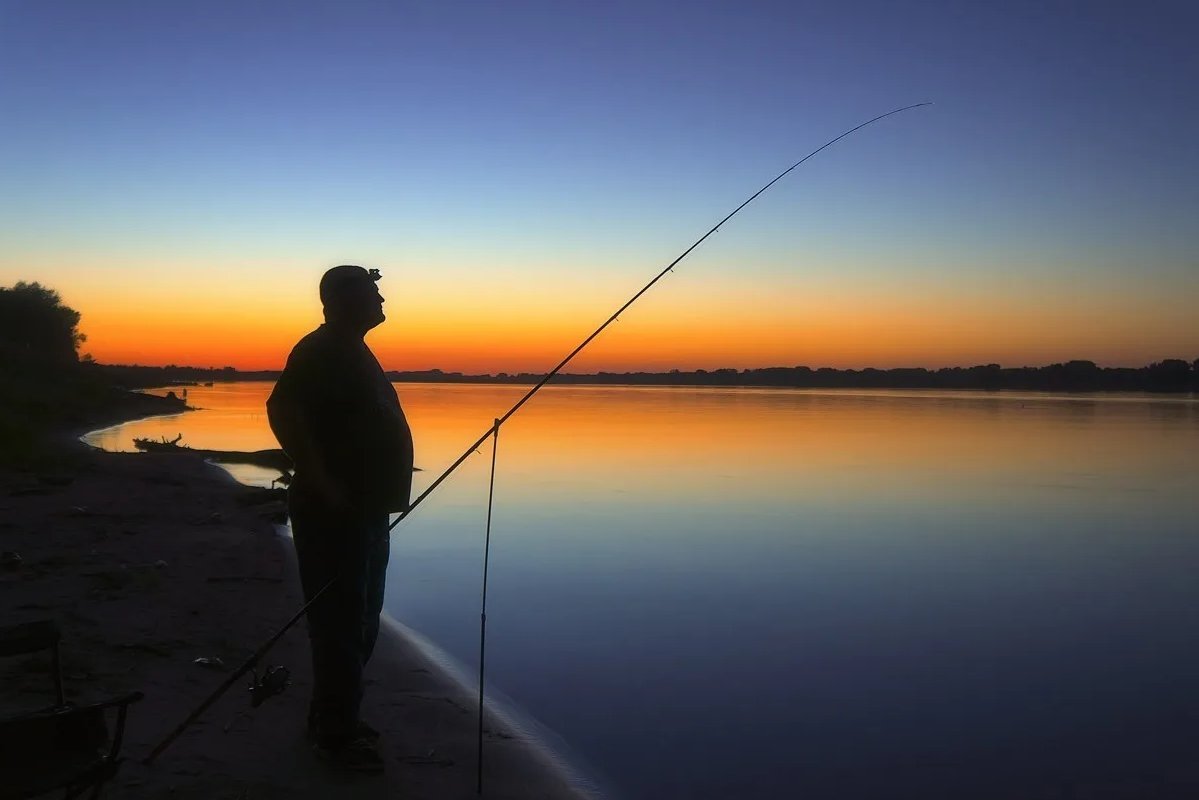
x: 655, y: 545
x: 774, y: 446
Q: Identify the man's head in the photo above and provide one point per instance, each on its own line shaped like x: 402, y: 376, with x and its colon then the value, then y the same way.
x: 351, y: 298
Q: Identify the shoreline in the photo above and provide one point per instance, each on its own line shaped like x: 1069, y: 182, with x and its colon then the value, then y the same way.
x: 150, y: 561
x: 1170, y: 375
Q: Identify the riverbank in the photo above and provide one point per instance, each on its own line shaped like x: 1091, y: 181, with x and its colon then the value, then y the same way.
x: 149, y: 562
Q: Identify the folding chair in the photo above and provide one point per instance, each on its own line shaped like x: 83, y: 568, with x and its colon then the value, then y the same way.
x: 63, y: 746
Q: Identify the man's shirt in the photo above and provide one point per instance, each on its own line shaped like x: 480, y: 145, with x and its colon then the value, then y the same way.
x: 352, y: 418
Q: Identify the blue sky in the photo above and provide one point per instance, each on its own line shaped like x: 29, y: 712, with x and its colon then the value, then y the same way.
x: 523, y: 142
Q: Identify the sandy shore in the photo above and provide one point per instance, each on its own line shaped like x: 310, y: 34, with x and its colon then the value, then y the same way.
x: 149, y: 562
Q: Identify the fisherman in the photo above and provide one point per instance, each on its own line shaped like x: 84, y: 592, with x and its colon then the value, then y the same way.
x: 339, y: 420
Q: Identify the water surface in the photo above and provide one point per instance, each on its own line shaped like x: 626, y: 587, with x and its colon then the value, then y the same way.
x: 719, y: 593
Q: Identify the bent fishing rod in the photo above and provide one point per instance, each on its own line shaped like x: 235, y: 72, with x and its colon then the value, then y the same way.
x: 275, y: 679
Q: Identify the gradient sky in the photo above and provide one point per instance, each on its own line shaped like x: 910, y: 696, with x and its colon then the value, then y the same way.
x: 182, y: 173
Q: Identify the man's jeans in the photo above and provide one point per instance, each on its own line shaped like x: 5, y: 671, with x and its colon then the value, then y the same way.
x: 343, y: 623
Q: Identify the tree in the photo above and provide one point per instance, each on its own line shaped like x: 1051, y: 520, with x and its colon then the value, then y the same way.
x: 36, y: 326
x: 1169, y: 375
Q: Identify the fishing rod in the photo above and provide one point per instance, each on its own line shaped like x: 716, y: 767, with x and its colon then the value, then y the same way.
x: 549, y: 375
x: 262, y: 692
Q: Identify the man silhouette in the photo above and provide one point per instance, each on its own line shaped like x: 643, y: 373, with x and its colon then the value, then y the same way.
x: 339, y: 419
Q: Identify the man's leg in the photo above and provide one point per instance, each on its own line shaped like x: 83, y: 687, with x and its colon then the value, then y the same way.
x: 326, y: 551
x: 378, y: 554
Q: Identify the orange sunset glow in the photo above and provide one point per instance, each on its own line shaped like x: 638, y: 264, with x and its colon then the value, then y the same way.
x: 686, y: 322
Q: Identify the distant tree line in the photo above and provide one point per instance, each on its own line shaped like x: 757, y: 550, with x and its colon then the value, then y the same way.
x: 1170, y: 375
x: 136, y: 376
x: 40, y: 339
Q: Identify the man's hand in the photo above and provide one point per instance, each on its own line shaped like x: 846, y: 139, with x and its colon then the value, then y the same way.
x: 332, y: 494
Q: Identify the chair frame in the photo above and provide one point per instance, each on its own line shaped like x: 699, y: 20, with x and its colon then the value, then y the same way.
x: 32, y: 637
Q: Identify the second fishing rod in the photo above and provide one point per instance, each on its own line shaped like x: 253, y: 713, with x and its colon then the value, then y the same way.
x: 264, y: 691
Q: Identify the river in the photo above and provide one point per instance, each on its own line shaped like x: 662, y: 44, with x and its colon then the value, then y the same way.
x: 712, y: 593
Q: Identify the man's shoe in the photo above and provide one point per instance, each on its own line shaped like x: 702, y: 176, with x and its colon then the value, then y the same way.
x: 356, y: 755
x: 365, y: 731
x: 361, y: 731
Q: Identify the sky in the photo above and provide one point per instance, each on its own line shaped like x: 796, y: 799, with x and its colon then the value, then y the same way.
x: 182, y: 173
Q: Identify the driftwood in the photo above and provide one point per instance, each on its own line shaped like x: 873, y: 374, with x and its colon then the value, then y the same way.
x: 272, y: 459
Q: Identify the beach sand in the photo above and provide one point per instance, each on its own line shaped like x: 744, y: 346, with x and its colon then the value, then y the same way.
x: 151, y: 561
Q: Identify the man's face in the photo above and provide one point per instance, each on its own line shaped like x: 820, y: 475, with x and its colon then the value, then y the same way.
x: 362, y: 304
x: 372, y: 305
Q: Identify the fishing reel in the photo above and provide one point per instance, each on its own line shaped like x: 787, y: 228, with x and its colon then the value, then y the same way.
x: 273, y: 681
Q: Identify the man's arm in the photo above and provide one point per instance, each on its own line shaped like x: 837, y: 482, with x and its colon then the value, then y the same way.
x: 407, y: 459
x: 293, y: 426
x: 293, y: 411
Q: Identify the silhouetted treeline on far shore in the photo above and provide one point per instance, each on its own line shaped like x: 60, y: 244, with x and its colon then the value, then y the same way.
x: 1170, y: 375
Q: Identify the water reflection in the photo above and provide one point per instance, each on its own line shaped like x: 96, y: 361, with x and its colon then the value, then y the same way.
x: 738, y: 593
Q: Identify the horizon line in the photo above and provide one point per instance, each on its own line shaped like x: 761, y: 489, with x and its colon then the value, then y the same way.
x: 1191, y: 363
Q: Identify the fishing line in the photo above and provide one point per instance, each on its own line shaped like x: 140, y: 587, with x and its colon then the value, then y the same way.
x: 495, y: 446
x: 494, y: 430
